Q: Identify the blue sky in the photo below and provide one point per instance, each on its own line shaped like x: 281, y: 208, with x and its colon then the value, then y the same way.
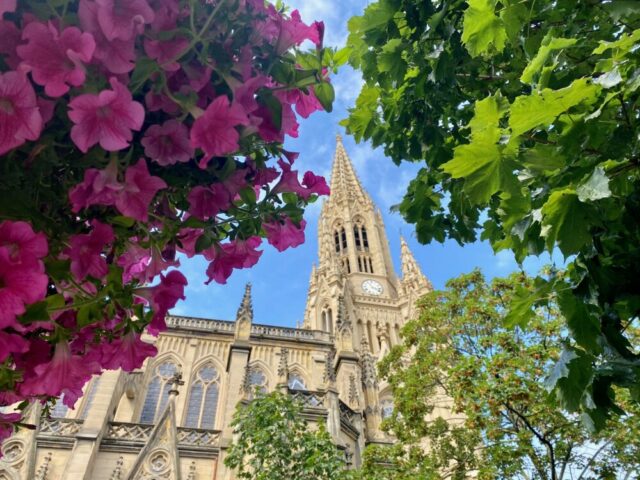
x: 280, y: 280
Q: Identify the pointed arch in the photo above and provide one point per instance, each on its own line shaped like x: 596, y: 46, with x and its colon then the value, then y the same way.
x: 297, y: 380
x: 204, y: 395
x: 260, y: 375
x: 158, y: 386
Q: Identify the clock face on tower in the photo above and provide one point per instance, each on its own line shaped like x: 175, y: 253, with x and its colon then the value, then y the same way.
x: 371, y: 287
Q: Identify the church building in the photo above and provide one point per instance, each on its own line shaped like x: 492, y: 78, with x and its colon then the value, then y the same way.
x: 170, y: 420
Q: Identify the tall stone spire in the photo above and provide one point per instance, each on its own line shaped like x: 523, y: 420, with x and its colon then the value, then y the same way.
x: 412, y: 277
x: 244, y: 317
x: 345, y: 184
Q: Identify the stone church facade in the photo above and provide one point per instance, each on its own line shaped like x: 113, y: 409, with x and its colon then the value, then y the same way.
x: 149, y: 425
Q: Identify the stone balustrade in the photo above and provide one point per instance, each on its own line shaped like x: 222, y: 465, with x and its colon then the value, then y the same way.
x: 223, y: 326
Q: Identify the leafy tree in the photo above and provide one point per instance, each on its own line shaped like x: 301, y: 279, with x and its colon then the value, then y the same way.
x: 525, y: 114
x: 273, y: 442
x: 505, y: 424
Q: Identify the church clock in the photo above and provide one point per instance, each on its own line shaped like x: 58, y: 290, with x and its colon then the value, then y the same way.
x: 371, y: 287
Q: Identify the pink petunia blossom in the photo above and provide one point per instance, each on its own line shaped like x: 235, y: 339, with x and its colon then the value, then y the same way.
x: 64, y: 373
x: 117, y: 56
x: 55, y: 59
x: 187, y: 239
x: 99, y: 187
x: 7, y: 6
x: 128, y: 353
x: 11, y: 38
x: 19, y: 286
x: 7, y: 424
x: 312, y: 184
x: 163, y: 297
x: 235, y: 254
x: 168, y: 143
x: 305, y: 103
x: 20, y: 118
x: 165, y: 52
x: 315, y: 183
x: 283, y: 235
x: 293, y: 31
x: 122, y: 19
x: 12, y: 343
x: 22, y: 244
x: 143, y: 264
x: 215, y: 131
x: 86, y: 252
x: 138, y: 191
x: 106, y: 118
x: 206, y: 202
x: 166, y: 14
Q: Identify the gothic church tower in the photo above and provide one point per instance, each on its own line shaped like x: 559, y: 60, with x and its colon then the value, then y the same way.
x: 354, y: 293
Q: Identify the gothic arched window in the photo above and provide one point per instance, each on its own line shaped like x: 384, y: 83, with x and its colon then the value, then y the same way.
x: 336, y: 238
x: 343, y: 236
x: 365, y: 240
x: 386, y: 408
x: 257, y: 382
x: 356, y: 235
x: 59, y: 409
x: 158, y: 391
x: 296, y: 382
x: 203, y: 398
x: 89, y: 396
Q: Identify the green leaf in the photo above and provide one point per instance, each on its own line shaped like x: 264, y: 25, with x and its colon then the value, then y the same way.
x: 122, y: 221
x: 623, y: 45
x: 35, y: 312
x: 390, y: 59
x: 549, y: 44
x: 248, y: 195
x: 341, y: 56
x: 144, y: 68
x: 520, y: 309
x: 566, y: 222
x: 571, y: 376
x: 584, y: 326
x: 481, y: 162
x: 325, y: 95
x: 482, y: 29
x: 595, y: 188
x: 268, y: 99
x: 542, y: 108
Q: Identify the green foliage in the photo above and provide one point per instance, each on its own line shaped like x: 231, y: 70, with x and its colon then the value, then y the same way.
x: 525, y: 114
x: 273, y: 442
x: 472, y: 390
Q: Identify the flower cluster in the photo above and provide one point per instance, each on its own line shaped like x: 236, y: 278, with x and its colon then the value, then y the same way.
x: 132, y: 131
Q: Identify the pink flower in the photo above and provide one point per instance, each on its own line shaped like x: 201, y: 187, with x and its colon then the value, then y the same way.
x: 64, y: 373
x: 7, y: 423
x: 11, y: 38
x: 134, y: 262
x: 206, y: 202
x: 162, y: 298
x: 22, y: 244
x: 122, y: 19
x: 285, y: 235
x: 305, y: 104
x: 235, y: 254
x: 117, y: 56
x: 11, y: 343
x: 20, y: 118
x: 86, y: 252
x: 165, y: 52
x: 128, y: 353
x: 293, y: 32
x: 289, y: 183
x: 107, y: 118
x: 138, y: 191
x: 56, y: 59
x: 215, y: 131
x: 7, y: 6
x: 315, y: 184
x: 168, y: 143
x: 19, y: 286
x: 187, y: 239
x: 99, y: 187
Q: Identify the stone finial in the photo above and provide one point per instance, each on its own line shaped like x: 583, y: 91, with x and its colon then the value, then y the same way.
x: 245, y: 388
x: 283, y: 366
x: 117, y: 472
x: 175, y: 382
x: 412, y: 277
x: 42, y: 472
x: 244, y: 317
x: 329, y: 369
x: 367, y: 365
